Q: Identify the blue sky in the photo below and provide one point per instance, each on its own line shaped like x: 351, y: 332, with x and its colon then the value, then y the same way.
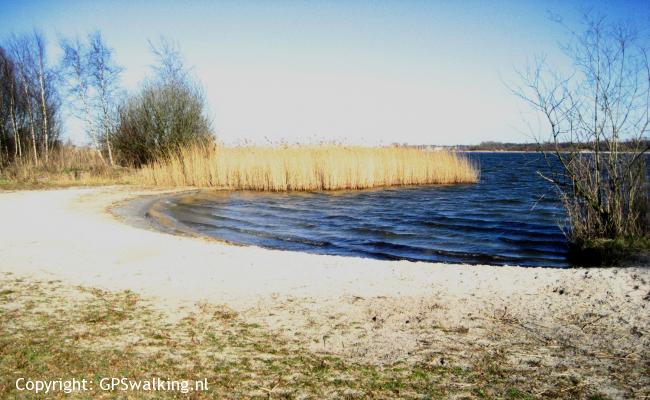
x: 368, y: 72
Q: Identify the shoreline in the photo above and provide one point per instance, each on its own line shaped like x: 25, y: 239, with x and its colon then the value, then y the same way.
x: 366, y: 310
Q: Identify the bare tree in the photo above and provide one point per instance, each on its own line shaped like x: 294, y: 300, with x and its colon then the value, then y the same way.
x: 8, y: 86
x: 28, y: 87
x: 603, y: 102
x: 76, y: 69
x: 4, y: 157
x: 104, y: 78
x: 169, y: 66
x: 41, y: 72
x: 23, y: 56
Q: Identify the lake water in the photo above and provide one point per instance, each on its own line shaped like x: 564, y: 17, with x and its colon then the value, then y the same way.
x: 511, y: 217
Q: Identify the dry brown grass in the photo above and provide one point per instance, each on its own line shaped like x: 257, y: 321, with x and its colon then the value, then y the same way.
x: 67, y: 166
x: 321, y: 167
x: 53, y: 331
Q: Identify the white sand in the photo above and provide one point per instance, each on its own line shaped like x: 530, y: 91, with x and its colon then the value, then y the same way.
x: 68, y: 234
x: 373, y: 310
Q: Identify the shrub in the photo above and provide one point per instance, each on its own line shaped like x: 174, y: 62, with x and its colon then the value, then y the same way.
x: 164, y: 116
x: 167, y: 114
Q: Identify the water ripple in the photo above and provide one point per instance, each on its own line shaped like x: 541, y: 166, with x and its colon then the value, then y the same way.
x: 511, y: 217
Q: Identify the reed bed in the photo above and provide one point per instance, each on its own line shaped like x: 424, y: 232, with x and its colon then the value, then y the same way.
x: 305, y: 168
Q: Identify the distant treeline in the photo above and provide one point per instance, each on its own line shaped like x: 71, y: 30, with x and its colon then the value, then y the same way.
x: 565, y: 146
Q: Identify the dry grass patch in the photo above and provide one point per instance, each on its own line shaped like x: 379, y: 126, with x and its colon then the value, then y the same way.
x: 67, y: 166
x: 322, y: 167
x: 47, y: 332
x: 589, y: 351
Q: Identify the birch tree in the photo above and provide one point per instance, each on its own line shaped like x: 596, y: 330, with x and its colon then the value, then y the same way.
x: 8, y: 86
x: 41, y: 75
x: 29, y: 97
x: 76, y: 69
x: 3, y: 121
x: 104, y: 77
x: 23, y: 56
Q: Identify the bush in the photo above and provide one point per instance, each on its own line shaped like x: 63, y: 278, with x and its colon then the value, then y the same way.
x: 163, y: 117
x: 168, y: 114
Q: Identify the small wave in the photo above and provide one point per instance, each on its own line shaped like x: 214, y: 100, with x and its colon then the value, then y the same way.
x: 492, y: 222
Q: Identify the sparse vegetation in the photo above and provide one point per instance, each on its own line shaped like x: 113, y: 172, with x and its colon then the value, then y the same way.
x: 51, y: 330
x: 67, y: 166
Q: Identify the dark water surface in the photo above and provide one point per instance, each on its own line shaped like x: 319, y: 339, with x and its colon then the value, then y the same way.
x: 511, y: 217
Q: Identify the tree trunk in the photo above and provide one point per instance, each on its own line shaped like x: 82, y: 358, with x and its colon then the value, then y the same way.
x: 7, y: 150
x: 2, y: 134
x: 110, y: 152
x: 33, y: 134
x: 107, y: 133
x: 41, y: 81
x: 31, y: 123
x: 93, y: 133
x: 18, y: 153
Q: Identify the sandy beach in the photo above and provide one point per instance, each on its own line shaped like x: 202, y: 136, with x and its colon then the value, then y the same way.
x: 589, y: 326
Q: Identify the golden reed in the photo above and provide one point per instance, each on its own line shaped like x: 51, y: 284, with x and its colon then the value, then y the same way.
x: 306, y: 167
